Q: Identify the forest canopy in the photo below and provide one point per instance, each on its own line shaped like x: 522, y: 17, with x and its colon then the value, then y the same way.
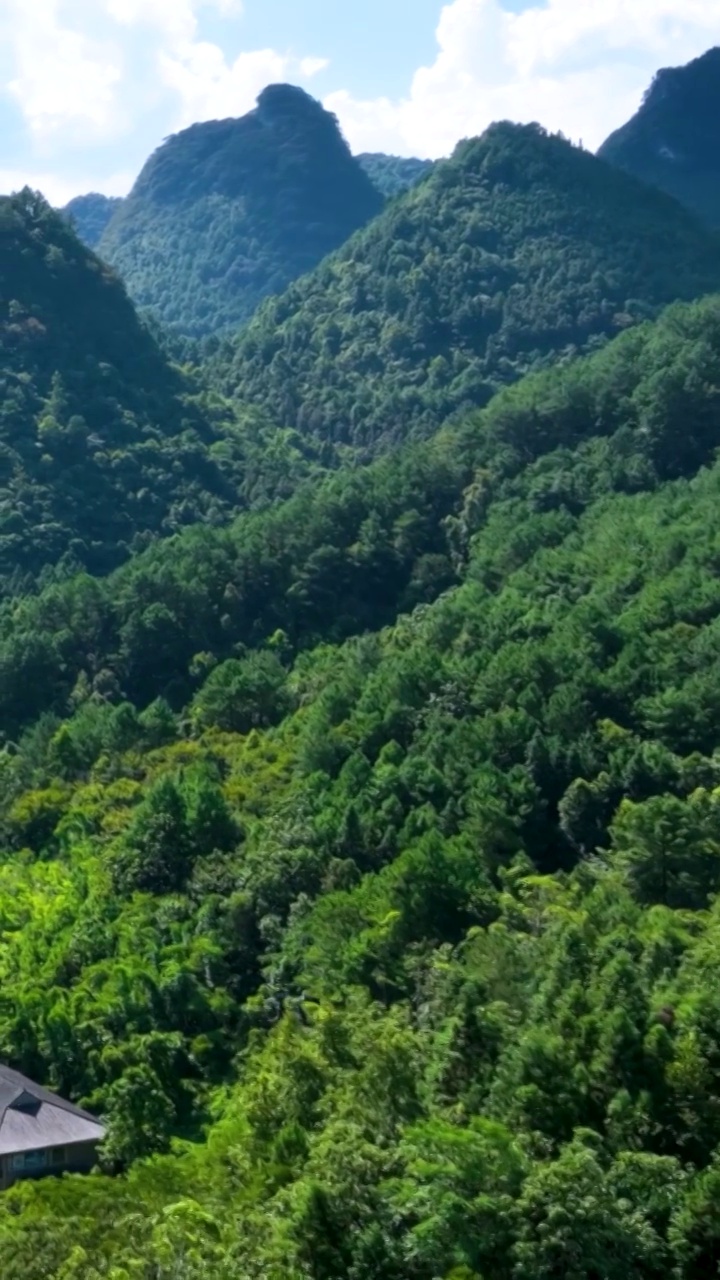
x: 672, y: 142
x: 105, y: 445
x: 404, y: 940
x: 229, y: 211
x: 519, y: 251
x: 359, y: 704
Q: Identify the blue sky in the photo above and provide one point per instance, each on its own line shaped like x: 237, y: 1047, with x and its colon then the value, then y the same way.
x: 88, y: 88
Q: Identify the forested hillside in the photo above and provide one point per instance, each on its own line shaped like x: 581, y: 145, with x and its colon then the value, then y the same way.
x: 89, y: 215
x: 673, y: 141
x: 519, y: 251
x: 227, y: 212
x: 103, y: 444
x: 379, y: 835
x: 393, y: 174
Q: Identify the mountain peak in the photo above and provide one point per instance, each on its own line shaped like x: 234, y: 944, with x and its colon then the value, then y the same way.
x: 695, y: 82
x: 673, y: 141
x: 287, y: 99
x: 520, y: 249
x: 101, y: 446
x: 229, y: 211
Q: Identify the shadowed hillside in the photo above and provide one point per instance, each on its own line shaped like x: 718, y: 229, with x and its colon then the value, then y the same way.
x: 673, y: 141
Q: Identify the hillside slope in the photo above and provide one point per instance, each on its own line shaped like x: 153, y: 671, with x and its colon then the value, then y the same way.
x: 90, y: 214
x: 424, y: 924
x: 393, y: 174
x: 227, y: 212
x: 520, y: 250
x: 102, y: 443
x: 673, y: 141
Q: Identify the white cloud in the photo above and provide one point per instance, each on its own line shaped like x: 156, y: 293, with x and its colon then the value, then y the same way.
x: 576, y: 65
x: 115, y: 75
x: 176, y: 19
x: 209, y: 87
x: 60, y: 189
x: 141, y: 53
x: 313, y: 66
x: 62, y: 78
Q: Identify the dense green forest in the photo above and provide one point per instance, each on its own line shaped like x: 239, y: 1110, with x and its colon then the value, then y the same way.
x: 673, y: 142
x: 227, y: 212
x: 365, y: 854
x: 519, y: 251
x: 359, y: 705
x: 393, y: 174
x: 103, y: 444
x: 90, y: 214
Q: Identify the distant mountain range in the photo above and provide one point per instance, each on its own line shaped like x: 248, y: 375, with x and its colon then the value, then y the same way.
x: 229, y: 212
x: 394, y: 174
x: 90, y: 215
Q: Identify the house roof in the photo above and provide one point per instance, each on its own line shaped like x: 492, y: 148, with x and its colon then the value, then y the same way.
x: 32, y: 1117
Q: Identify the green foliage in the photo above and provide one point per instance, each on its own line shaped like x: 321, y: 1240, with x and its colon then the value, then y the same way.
x: 240, y: 696
x: 394, y: 174
x: 90, y: 214
x: 518, y: 251
x: 361, y: 858
x: 229, y: 211
x: 180, y: 820
x: 104, y: 446
x: 672, y: 141
x: 342, y: 554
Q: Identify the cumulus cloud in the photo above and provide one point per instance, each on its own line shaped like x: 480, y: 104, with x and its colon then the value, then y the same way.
x: 209, y: 87
x: 576, y: 65
x: 61, y: 76
x: 90, y: 68
x: 107, y: 78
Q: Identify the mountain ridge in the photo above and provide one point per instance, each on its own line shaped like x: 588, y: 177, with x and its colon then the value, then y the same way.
x: 518, y: 250
x: 104, y: 444
x: 228, y: 211
x: 673, y: 141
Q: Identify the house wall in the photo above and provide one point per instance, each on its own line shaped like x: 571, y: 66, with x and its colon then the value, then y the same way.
x: 76, y: 1158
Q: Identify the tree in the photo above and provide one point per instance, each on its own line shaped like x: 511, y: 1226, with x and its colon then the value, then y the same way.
x: 241, y: 695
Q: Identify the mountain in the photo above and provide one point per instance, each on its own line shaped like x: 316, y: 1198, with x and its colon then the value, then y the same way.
x: 391, y: 953
x: 673, y: 141
x: 350, y: 550
x: 393, y: 174
x: 90, y: 214
x: 520, y: 250
x: 103, y: 444
x: 227, y: 212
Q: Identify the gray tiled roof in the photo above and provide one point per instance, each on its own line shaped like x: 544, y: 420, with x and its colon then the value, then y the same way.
x: 41, y: 1119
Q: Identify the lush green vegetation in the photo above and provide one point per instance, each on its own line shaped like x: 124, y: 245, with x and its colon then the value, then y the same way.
x: 227, y: 212
x: 104, y: 445
x: 673, y: 141
x: 90, y: 214
x: 393, y: 174
x: 520, y: 250
x: 368, y: 852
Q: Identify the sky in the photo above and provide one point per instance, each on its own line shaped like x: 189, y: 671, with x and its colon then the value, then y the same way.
x: 89, y: 88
